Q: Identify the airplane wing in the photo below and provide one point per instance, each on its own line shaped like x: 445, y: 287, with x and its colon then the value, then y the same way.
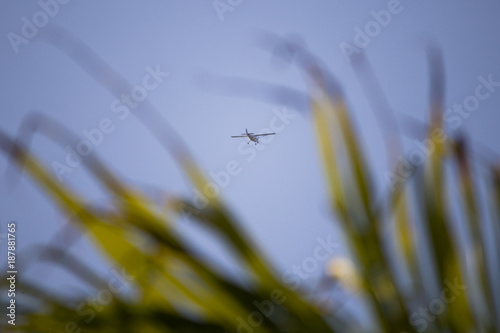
x: 265, y: 134
x: 238, y: 136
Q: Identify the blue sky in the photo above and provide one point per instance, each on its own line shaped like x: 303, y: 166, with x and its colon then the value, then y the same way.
x: 276, y: 189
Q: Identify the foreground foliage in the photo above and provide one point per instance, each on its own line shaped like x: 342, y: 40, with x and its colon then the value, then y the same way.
x: 177, y: 291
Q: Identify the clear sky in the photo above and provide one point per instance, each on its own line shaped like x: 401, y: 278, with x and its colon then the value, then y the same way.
x: 277, y: 189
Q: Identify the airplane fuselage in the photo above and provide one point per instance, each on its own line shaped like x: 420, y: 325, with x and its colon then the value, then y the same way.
x: 253, y: 138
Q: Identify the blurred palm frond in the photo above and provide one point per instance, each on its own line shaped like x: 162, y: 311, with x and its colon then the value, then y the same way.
x: 177, y: 291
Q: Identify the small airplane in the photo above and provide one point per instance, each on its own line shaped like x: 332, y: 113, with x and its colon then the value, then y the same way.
x: 251, y: 136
